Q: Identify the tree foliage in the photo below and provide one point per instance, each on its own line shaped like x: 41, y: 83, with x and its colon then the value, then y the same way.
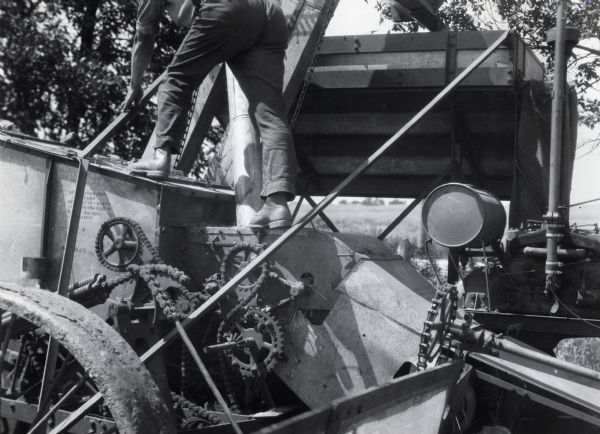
x: 531, y: 19
x: 64, y: 64
x: 64, y: 67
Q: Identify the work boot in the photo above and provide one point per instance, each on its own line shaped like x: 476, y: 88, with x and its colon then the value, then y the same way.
x: 274, y: 214
x: 158, y: 168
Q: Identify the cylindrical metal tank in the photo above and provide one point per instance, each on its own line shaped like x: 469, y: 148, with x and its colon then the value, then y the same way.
x: 459, y: 215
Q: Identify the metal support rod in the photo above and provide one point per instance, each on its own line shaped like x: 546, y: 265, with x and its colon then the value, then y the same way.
x: 63, y: 281
x: 584, y: 202
x: 59, y: 404
x: 412, y: 206
x: 211, y: 384
x: 289, y: 233
x: 552, y: 217
x: 591, y: 50
x: 488, y: 339
x: 297, y: 209
x: 328, y: 222
x: 5, y: 341
x: 119, y: 121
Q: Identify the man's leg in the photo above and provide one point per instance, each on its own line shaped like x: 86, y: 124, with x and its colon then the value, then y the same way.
x: 209, y: 41
x: 263, y: 87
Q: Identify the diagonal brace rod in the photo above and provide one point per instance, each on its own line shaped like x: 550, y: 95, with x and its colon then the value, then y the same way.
x: 326, y: 219
x: 279, y: 242
x: 207, y: 377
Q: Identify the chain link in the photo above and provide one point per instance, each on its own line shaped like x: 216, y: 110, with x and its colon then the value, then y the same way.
x: 311, y: 66
x: 427, y: 344
x: 190, y: 116
x: 197, y: 417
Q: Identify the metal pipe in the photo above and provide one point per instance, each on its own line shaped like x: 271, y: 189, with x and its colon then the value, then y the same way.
x: 56, y: 406
x: 487, y: 339
x: 553, y: 218
x: 561, y: 253
x: 279, y: 242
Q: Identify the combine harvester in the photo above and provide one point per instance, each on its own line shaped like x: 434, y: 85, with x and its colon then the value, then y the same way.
x: 144, y: 306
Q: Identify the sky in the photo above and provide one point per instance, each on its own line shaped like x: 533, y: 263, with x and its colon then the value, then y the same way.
x: 355, y: 17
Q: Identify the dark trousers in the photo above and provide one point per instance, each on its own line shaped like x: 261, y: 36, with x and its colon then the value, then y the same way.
x: 251, y: 36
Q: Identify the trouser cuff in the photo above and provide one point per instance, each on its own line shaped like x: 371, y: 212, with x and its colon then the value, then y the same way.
x: 272, y: 187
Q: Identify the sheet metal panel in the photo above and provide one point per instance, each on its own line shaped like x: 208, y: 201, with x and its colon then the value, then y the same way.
x: 565, y: 391
x: 105, y: 197
x: 371, y: 331
x: 398, y: 406
x: 23, y: 185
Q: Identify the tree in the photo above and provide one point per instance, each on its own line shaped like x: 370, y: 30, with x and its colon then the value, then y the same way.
x: 531, y: 19
x: 64, y: 67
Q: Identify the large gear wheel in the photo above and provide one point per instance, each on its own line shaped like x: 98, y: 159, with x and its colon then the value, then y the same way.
x: 118, y: 244
x: 436, y: 328
x: 260, y: 326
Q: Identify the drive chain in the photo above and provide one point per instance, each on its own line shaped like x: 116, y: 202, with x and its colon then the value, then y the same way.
x: 443, y: 309
x: 195, y: 416
x: 174, y: 307
x: 142, y: 239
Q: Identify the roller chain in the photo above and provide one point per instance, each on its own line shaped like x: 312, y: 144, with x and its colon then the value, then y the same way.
x: 195, y: 416
x: 436, y: 339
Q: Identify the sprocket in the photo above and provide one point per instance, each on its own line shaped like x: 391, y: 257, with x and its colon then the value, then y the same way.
x: 436, y: 328
x: 261, y: 327
x: 237, y: 258
x: 118, y: 244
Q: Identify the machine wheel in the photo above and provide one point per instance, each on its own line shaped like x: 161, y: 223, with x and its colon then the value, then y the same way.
x: 118, y: 243
x: 129, y: 392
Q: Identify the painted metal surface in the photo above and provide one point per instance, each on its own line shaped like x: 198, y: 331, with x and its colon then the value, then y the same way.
x: 411, y: 404
x: 22, y: 182
x: 578, y: 396
x: 109, y: 192
x: 373, y: 328
x: 459, y: 215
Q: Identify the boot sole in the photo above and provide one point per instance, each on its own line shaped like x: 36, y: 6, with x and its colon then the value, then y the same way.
x: 280, y: 224
x: 275, y: 224
x: 152, y: 174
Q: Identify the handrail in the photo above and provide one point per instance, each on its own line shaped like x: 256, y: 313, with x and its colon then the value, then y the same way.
x: 109, y: 132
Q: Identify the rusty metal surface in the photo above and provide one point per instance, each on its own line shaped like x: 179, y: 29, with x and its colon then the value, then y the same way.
x: 22, y: 411
x: 401, y: 403
x: 127, y: 387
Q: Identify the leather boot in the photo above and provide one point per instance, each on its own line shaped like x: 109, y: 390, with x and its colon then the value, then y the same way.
x: 157, y: 168
x: 274, y: 214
